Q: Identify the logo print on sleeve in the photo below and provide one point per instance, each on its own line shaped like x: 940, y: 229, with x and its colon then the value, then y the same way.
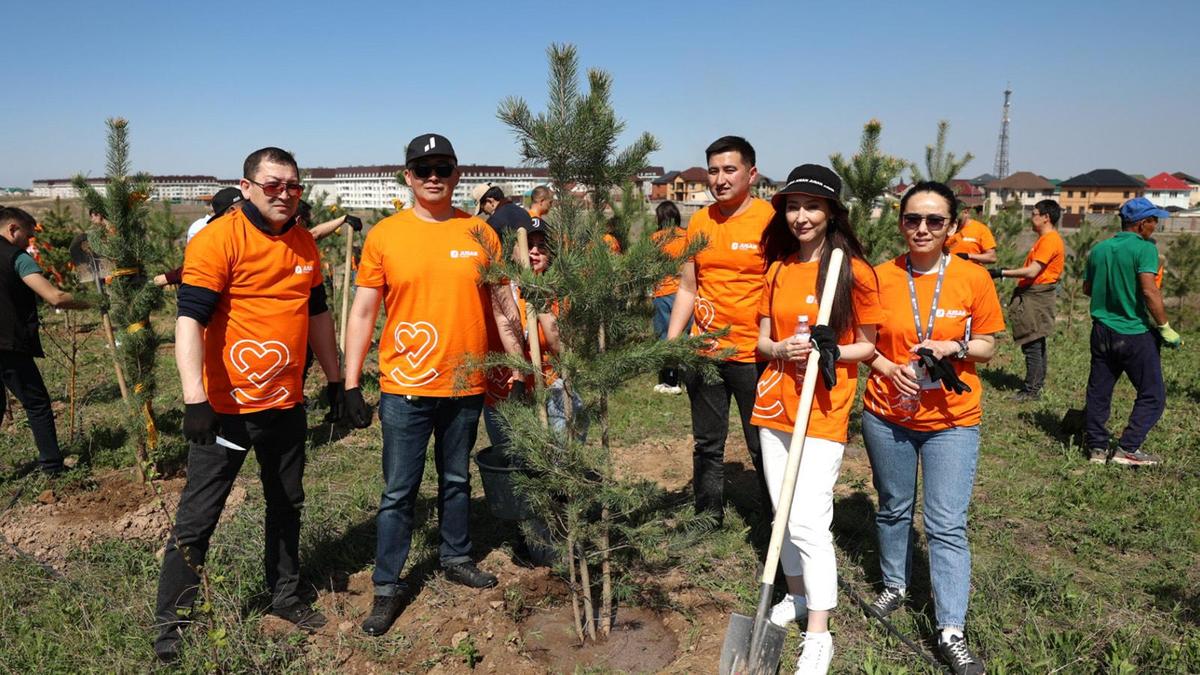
x: 261, y: 363
x: 769, y: 381
x: 415, y: 341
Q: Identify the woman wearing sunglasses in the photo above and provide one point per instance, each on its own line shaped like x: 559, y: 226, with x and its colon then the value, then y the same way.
x: 809, y: 222
x: 922, y: 407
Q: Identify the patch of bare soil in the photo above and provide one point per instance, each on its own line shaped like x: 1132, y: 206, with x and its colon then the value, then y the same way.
x: 119, y: 507
x: 521, y: 626
x: 639, y: 642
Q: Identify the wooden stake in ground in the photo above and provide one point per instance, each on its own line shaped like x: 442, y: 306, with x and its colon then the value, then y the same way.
x: 346, y: 285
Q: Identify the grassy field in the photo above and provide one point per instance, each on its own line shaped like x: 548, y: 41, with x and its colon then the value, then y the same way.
x: 1078, y: 568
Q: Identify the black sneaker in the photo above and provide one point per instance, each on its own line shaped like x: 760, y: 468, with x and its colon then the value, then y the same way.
x: 469, y: 575
x: 1135, y: 458
x: 1098, y: 456
x: 888, y: 601
x: 302, y: 614
x: 961, y: 660
x: 1024, y: 396
x: 384, y: 610
x: 166, y: 646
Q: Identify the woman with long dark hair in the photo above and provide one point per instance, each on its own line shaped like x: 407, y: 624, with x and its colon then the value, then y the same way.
x: 810, y: 221
x: 672, y: 239
x: 922, y: 407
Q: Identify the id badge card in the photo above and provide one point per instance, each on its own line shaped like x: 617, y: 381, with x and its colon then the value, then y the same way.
x: 923, y: 377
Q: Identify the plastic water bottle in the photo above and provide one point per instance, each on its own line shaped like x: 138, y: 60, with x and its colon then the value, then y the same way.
x: 804, y: 333
x: 907, y: 404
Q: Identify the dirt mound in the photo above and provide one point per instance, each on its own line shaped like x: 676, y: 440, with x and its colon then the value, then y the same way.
x: 119, y: 507
x: 509, y: 629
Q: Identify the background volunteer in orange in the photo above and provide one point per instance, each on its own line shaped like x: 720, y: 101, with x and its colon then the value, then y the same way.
x: 672, y: 239
x: 942, y: 313
x: 810, y: 221
x: 250, y: 303
x: 541, y: 201
x: 972, y: 240
x: 425, y: 264
x: 720, y: 288
x: 1031, y: 309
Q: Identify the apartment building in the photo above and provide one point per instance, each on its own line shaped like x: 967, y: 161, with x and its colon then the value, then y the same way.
x: 162, y: 188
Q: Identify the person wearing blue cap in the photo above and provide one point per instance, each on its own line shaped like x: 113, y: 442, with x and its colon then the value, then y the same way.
x: 1129, y: 326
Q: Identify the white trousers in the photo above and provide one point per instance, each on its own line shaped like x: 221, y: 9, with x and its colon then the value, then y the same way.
x: 808, y: 547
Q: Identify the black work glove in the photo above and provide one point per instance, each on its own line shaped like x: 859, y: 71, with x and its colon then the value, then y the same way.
x: 964, y: 256
x: 355, y: 411
x: 824, y: 340
x: 335, y: 392
x: 200, y: 423
x: 354, y: 222
x: 995, y: 272
x: 941, y: 370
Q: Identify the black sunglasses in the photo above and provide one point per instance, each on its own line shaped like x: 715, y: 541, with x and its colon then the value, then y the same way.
x: 424, y: 171
x: 933, y: 221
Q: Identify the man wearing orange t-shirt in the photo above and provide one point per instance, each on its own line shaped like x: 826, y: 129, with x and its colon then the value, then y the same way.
x: 542, y: 199
x: 424, y: 264
x: 720, y: 289
x: 672, y: 240
x: 972, y: 240
x: 1031, y: 309
x: 250, y: 303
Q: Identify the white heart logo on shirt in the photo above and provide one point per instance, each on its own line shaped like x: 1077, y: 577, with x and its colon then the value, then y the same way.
x: 261, y: 363
x: 415, y: 341
x: 705, y: 313
x: 764, y: 386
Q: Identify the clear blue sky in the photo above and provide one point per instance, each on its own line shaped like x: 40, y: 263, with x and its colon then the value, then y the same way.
x: 1097, y: 84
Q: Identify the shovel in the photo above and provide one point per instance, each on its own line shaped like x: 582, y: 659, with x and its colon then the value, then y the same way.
x: 754, y: 645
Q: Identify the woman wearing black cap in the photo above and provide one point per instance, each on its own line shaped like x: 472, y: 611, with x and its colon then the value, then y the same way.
x: 810, y: 221
x: 922, y: 408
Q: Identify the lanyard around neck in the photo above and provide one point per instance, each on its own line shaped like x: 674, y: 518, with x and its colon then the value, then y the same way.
x: 943, y: 262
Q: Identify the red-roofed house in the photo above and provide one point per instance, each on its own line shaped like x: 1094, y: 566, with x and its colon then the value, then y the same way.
x: 1167, y: 191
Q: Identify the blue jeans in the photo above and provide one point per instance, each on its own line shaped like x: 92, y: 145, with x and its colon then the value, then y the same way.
x: 556, y: 415
x: 947, y: 459
x: 408, y: 422
x: 662, y: 318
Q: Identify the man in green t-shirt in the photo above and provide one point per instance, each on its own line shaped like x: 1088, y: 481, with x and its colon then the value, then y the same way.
x: 1129, y: 324
x: 21, y: 284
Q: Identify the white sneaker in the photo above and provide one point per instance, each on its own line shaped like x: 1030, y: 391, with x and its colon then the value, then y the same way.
x: 815, y: 654
x: 660, y: 388
x: 669, y: 389
x: 792, y: 608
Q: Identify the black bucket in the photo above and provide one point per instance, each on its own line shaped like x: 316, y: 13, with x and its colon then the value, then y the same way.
x: 498, y: 474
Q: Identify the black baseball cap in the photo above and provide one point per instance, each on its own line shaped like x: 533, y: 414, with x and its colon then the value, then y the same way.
x: 815, y: 180
x: 223, y: 200
x: 429, y: 145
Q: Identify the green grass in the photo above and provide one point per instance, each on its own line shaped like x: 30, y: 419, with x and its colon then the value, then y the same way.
x: 1076, y: 567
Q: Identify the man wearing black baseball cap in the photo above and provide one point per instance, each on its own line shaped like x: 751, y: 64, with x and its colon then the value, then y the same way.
x: 424, y: 265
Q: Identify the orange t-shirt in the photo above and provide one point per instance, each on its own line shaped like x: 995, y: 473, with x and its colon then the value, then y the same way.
x: 1050, y: 251
x: 673, y: 242
x: 498, y: 387
x: 255, y: 341
x: 729, y: 276
x: 967, y: 291
x: 790, y: 291
x: 437, y: 308
x: 612, y: 242
x: 974, y: 238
